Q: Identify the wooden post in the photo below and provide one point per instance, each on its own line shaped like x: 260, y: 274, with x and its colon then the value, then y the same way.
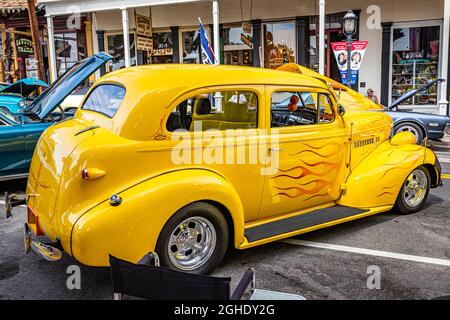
x: 3, y: 41
x: 35, y: 37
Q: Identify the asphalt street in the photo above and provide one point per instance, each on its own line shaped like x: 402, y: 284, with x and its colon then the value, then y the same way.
x: 316, y: 273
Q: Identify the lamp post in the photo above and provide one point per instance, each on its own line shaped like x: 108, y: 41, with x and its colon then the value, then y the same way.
x: 349, y: 26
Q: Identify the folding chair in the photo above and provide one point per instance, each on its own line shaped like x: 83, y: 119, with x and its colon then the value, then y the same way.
x: 148, y: 280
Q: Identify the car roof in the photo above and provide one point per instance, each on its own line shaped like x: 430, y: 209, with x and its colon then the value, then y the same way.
x: 193, y: 76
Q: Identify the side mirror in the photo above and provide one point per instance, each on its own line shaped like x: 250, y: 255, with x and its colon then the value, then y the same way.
x: 341, y: 110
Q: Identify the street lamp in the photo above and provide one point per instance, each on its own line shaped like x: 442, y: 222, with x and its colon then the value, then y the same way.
x: 349, y: 26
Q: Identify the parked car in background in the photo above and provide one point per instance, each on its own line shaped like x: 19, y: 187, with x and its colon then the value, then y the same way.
x: 73, y: 101
x: 138, y: 169
x: 422, y: 125
x: 17, y: 96
x: 19, y: 133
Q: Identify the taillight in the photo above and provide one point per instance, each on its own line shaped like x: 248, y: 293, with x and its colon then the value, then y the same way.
x: 33, y: 221
x: 92, y: 174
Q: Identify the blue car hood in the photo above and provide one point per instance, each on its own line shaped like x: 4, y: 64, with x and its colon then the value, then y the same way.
x: 416, y: 115
x: 23, y: 87
x: 51, y: 98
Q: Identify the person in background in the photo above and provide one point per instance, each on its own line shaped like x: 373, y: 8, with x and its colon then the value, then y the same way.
x: 372, y: 96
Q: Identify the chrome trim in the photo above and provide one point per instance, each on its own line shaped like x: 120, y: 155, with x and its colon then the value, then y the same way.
x: 14, y: 177
x: 46, y: 251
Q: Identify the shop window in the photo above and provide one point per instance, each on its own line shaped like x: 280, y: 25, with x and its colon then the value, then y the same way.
x: 69, y: 49
x: 162, y: 48
x: 190, y: 46
x: 216, y: 110
x: 279, y: 44
x: 415, y: 62
x: 115, y: 49
x: 238, y: 44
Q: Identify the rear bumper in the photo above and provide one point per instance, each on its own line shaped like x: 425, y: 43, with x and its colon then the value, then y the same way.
x: 50, y: 251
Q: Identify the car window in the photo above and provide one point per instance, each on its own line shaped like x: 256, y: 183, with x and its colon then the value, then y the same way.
x: 293, y: 108
x: 326, y: 113
x: 105, y: 99
x: 231, y: 109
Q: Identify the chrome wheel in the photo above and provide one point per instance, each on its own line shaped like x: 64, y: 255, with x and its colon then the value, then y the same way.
x: 192, y: 243
x: 415, y: 188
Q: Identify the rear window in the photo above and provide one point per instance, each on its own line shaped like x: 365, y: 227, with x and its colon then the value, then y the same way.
x: 105, y: 99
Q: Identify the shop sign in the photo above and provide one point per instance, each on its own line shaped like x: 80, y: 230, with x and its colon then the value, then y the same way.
x: 24, y: 45
x: 246, y: 27
x: 358, y: 50
x: 144, y: 44
x: 143, y: 26
x: 162, y: 52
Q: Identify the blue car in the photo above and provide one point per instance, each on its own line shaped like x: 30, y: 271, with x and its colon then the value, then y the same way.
x: 19, y: 133
x: 422, y: 125
x: 15, y: 97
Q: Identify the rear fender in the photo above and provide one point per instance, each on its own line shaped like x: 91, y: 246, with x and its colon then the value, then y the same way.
x: 131, y: 229
x: 377, y: 180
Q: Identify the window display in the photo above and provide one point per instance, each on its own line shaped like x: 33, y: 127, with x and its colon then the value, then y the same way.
x: 162, y: 48
x: 70, y: 48
x: 415, y: 62
x: 279, y: 44
x: 190, y: 41
x: 238, y: 45
x: 115, y: 48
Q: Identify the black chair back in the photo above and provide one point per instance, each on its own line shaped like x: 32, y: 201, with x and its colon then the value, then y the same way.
x: 160, y: 283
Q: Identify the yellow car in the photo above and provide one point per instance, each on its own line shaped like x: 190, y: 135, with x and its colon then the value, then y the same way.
x: 187, y: 160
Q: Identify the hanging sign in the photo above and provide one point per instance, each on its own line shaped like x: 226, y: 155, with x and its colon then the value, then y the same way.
x: 24, y: 45
x: 144, y: 44
x: 143, y: 26
x: 358, y: 50
x: 247, y: 39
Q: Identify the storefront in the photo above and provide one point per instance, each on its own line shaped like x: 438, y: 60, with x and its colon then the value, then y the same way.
x: 238, y: 44
x: 415, y: 61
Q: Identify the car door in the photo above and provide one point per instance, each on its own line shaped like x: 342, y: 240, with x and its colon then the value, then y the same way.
x: 12, y: 149
x: 222, y: 128
x: 312, y: 151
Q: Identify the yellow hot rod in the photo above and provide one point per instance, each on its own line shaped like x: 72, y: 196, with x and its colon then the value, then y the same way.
x: 188, y: 160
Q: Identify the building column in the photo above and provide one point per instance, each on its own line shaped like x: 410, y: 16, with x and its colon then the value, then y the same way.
x: 3, y: 51
x: 444, y: 94
x: 176, y: 44
x: 258, y: 61
x: 215, y: 13
x: 385, y: 62
x: 126, y: 37
x: 101, y: 48
x: 322, y: 37
x: 303, y: 41
x: 51, y: 49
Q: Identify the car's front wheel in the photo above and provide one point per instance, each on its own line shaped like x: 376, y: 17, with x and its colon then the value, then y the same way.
x: 194, y: 240
x: 414, y: 191
x: 413, y: 128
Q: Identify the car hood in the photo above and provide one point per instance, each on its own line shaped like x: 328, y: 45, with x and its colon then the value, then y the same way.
x: 51, y: 98
x: 23, y: 87
x: 418, y: 115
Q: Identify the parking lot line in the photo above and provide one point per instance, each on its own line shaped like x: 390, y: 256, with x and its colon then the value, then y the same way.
x: 384, y: 254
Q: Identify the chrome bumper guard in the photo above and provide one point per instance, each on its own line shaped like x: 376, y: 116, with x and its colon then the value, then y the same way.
x: 47, y: 251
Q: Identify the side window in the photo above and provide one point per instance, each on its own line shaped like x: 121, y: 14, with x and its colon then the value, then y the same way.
x: 326, y: 113
x: 105, y: 99
x: 233, y: 109
x: 293, y: 108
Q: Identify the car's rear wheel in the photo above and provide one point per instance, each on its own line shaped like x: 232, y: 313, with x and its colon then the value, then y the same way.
x: 414, y: 191
x: 413, y: 128
x: 194, y: 240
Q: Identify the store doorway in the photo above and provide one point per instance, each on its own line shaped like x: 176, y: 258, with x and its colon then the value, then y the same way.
x: 332, y: 69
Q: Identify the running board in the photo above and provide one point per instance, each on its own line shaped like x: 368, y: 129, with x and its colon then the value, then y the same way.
x: 301, y: 221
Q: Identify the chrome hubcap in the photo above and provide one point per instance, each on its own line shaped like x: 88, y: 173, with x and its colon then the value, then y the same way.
x: 192, y: 243
x: 409, y: 129
x: 415, y: 188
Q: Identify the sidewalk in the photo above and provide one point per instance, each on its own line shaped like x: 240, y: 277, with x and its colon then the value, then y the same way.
x: 443, y: 146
